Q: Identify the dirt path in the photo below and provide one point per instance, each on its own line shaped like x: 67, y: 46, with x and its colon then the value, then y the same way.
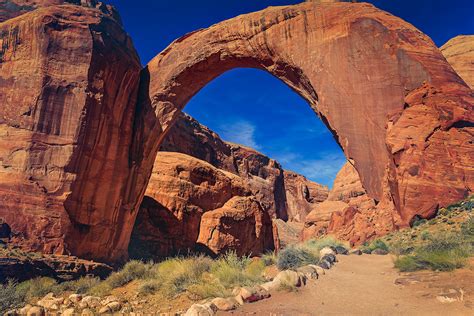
x: 368, y: 285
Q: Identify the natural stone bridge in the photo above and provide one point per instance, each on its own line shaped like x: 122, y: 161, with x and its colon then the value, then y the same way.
x: 78, y: 149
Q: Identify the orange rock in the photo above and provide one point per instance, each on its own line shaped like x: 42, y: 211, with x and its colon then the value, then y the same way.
x: 302, y: 195
x: 459, y: 51
x: 241, y: 225
x: 65, y: 130
x: 355, y: 65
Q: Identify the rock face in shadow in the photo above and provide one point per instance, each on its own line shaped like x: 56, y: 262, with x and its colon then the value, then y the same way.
x: 459, y: 51
x: 302, y: 195
x: 69, y: 79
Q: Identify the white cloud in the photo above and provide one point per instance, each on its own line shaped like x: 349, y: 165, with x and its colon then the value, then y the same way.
x: 239, y: 132
x: 322, y: 170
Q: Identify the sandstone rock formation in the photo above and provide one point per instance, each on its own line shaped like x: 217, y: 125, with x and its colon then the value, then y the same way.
x: 283, y: 194
x: 241, y: 225
x: 159, y: 229
x: 77, y: 151
x: 69, y: 78
x: 182, y: 190
x: 362, y: 65
x: 459, y: 52
x: 302, y: 195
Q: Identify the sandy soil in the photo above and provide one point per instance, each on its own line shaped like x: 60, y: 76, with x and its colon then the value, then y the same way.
x: 369, y: 285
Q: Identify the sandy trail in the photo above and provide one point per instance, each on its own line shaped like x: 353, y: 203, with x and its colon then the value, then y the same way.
x: 368, y: 285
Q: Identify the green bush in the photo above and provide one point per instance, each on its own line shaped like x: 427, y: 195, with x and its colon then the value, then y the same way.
x: 292, y: 258
x: 375, y: 244
x: 11, y: 296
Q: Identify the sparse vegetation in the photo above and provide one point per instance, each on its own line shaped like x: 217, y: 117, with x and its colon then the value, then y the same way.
x: 443, y: 243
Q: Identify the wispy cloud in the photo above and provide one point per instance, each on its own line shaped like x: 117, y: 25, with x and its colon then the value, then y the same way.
x: 322, y: 170
x: 241, y: 132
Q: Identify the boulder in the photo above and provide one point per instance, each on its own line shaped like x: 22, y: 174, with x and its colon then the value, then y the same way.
x: 241, y: 225
x: 225, y: 304
x: 290, y: 279
x: 186, y: 199
x: 340, y: 250
x: 201, y: 310
x: 326, y: 251
x: 308, y: 271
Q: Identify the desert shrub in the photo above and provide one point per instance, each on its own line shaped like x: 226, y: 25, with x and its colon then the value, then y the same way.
x: 425, y: 235
x: 467, y: 229
x: 149, y: 287
x: 80, y: 286
x: 38, y: 287
x: 294, y: 257
x: 208, y: 286
x: 269, y: 258
x: 11, y: 296
x: 233, y: 271
x: 419, y: 222
x: 133, y: 270
x: 318, y: 244
x: 407, y: 264
x: 375, y: 244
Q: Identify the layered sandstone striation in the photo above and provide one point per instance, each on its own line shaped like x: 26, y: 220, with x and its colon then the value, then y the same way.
x: 459, y: 51
x: 69, y: 78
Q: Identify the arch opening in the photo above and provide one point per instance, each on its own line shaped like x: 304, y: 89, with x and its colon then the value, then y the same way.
x: 275, y: 150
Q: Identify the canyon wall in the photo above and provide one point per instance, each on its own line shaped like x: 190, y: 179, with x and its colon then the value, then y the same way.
x: 68, y: 85
x: 77, y: 150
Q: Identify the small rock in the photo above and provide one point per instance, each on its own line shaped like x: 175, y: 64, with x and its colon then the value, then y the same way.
x: 200, y: 310
x: 114, y: 306
x: 326, y: 251
x: 109, y: 299
x: 290, y: 278
x: 69, y: 312
x: 340, y: 250
x: 35, y: 311
x: 24, y: 310
x: 75, y: 298
x: 105, y: 310
x: 308, y: 271
x: 91, y: 301
x: 356, y: 252
x: 12, y: 312
x: 326, y: 265
x: 224, y: 304
x: 329, y: 258
x: 239, y: 299
x: 87, y: 312
x: 381, y: 252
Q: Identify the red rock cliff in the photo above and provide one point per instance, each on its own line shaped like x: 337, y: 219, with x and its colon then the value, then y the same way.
x: 68, y: 83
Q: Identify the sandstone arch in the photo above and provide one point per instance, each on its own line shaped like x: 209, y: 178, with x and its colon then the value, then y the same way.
x: 399, y: 111
x: 355, y: 65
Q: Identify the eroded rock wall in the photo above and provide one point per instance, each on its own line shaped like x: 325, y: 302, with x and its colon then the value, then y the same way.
x: 68, y: 85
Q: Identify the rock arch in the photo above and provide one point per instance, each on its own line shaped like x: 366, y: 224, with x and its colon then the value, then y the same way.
x: 402, y: 115
x: 356, y: 66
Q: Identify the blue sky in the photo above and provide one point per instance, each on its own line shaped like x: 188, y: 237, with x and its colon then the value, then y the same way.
x: 253, y: 108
